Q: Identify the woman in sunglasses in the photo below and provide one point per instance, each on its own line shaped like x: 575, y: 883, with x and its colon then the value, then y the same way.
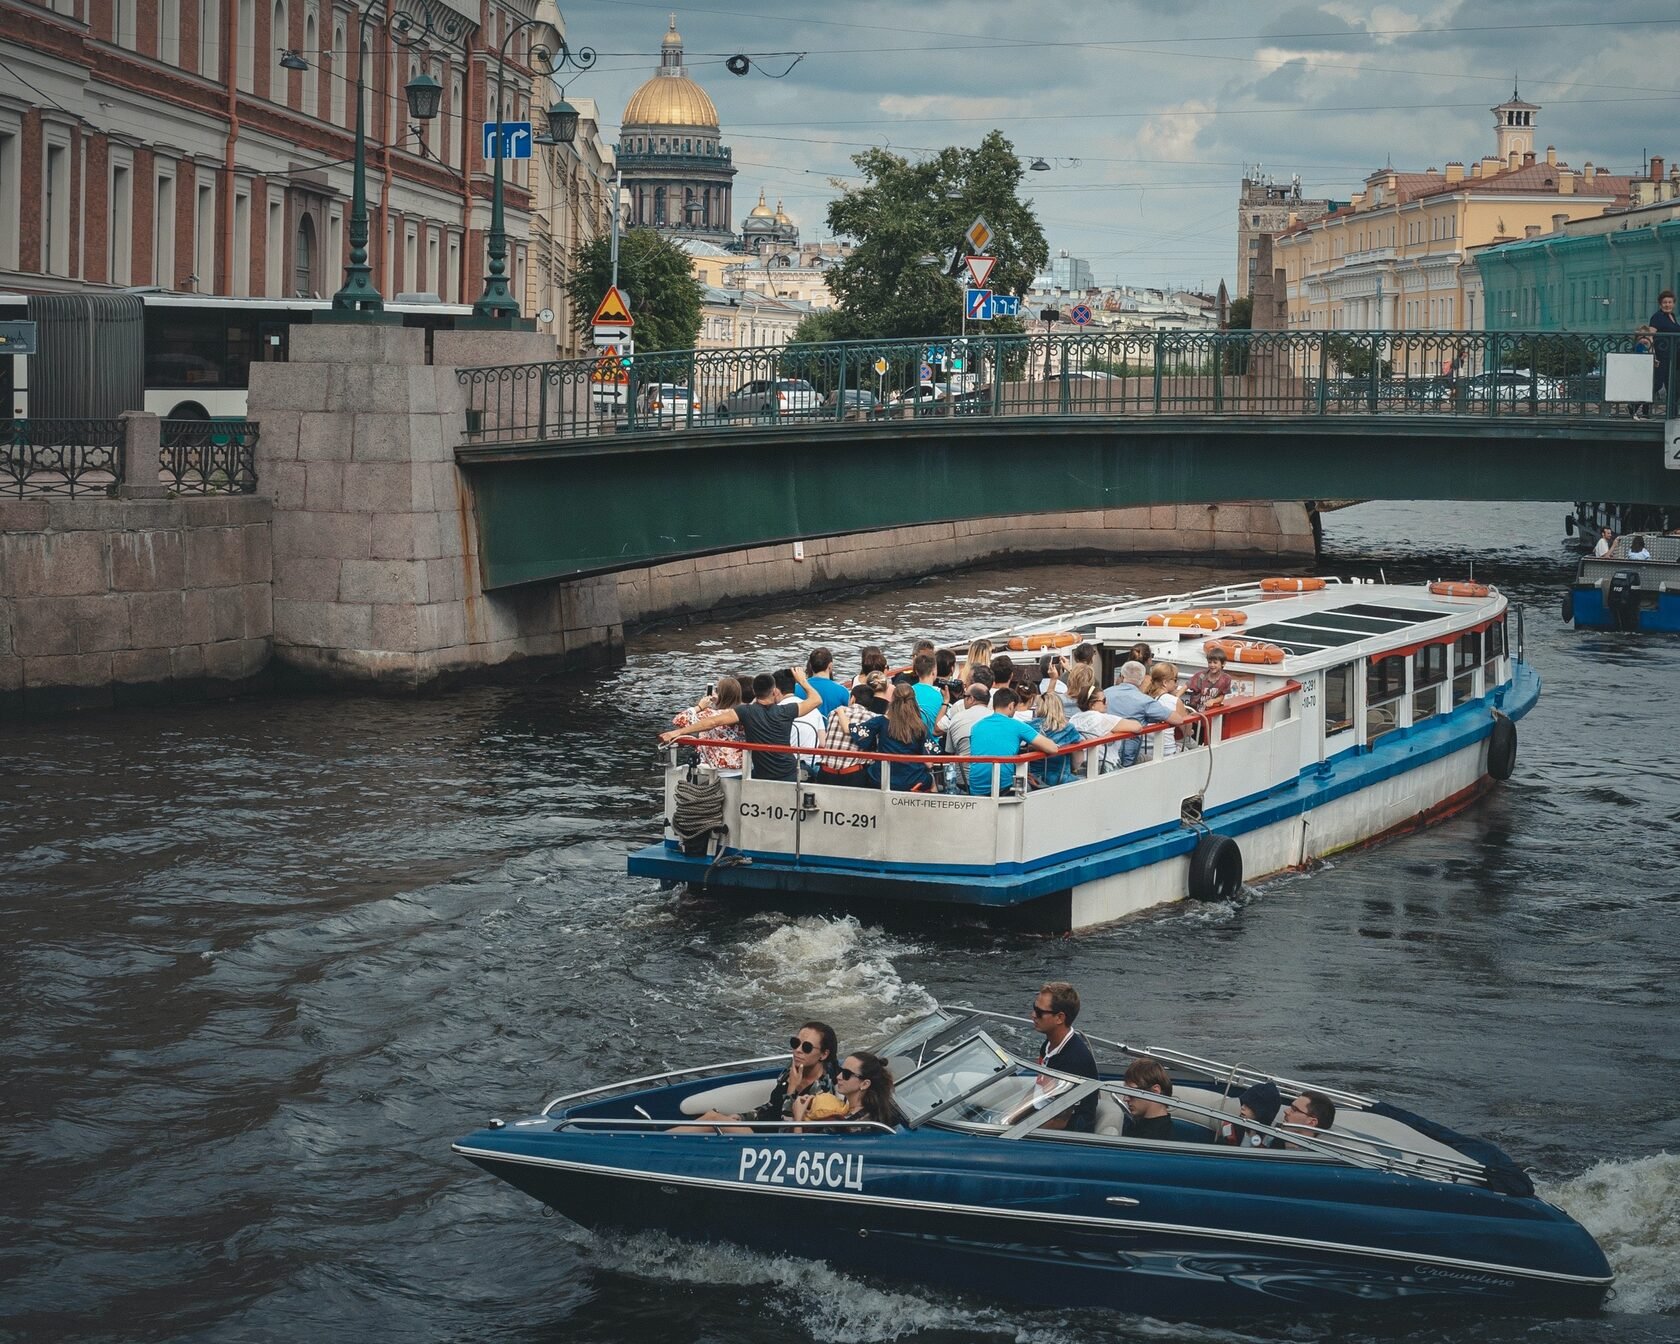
x: 810, y: 1073
x: 863, y: 1091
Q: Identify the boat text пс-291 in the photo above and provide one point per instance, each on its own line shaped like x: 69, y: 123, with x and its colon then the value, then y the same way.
x: 979, y: 1191
x: 1357, y: 710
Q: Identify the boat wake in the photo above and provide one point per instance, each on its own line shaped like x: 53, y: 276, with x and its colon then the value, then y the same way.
x: 1632, y: 1209
x: 840, y: 968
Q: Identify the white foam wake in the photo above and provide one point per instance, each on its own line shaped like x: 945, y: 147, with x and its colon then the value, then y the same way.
x: 1632, y: 1209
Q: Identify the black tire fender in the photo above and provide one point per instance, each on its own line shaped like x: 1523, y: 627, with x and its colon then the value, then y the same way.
x: 1569, y: 607
x: 1502, y: 747
x: 1216, y: 868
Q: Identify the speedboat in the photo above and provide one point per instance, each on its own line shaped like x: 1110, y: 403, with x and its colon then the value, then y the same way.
x: 1356, y: 710
x: 979, y: 1191
x: 1614, y: 592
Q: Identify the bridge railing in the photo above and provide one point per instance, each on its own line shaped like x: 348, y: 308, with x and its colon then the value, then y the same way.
x: 1237, y: 373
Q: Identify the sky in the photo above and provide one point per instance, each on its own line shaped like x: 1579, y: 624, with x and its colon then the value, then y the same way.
x: 1149, y: 112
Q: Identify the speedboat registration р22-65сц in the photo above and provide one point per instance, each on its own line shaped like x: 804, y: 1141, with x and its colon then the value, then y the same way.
x: 1357, y: 710
x: 978, y: 1191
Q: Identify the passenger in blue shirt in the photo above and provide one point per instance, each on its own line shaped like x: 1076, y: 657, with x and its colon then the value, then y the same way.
x: 929, y: 698
x: 1127, y: 699
x: 817, y: 669
x: 1000, y: 733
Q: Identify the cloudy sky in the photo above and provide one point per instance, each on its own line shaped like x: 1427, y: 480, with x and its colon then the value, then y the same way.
x: 1162, y: 105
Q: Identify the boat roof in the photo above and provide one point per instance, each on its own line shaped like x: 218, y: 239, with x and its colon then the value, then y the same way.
x: 1344, y: 620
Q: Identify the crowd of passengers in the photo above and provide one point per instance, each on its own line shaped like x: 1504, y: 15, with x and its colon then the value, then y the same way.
x: 982, y: 706
x: 816, y: 1087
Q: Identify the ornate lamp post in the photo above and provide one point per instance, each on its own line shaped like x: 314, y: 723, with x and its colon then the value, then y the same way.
x: 496, y: 307
x: 359, y: 300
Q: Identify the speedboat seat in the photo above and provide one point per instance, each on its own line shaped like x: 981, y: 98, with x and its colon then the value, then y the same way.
x: 1110, y: 1115
x: 731, y: 1098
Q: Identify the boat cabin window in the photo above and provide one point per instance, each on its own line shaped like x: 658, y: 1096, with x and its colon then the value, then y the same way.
x: 911, y: 1042
x: 1341, y: 685
x: 1493, y: 645
x: 1467, y: 652
x: 1009, y: 1100
x: 949, y: 1076
x: 1385, y: 689
x: 1429, y: 677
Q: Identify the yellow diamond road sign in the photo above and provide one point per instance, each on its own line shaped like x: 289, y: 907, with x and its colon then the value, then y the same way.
x: 979, y: 234
x: 881, y: 366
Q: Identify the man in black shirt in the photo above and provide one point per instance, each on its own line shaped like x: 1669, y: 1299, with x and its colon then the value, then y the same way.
x: 1148, y: 1119
x: 1065, y: 1050
x: 763, y: 721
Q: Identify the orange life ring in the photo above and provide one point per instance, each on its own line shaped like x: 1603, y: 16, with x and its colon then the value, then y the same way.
x: 1443, y: 588
x: 1197, y: 619
x: 1232, y: 617
x: 1061, y: 639
x: 1244, y: 650
x: 1291, y: 585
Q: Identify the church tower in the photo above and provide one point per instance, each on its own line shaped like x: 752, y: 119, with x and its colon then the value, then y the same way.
x: 1513, y: 127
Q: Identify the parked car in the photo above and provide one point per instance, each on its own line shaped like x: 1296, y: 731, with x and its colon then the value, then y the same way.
x: 770, y: 396
x: 1512, y: 385
x: 978, y: 401
x: 854, y: 399
x: 919, y: 394
x: 667, y: 404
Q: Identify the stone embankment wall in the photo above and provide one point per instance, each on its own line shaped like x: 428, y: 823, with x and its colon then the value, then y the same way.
x: 128, y: 600
x: 1204, y: 533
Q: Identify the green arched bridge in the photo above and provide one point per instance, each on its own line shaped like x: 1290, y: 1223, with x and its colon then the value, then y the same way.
x: 579, y: 467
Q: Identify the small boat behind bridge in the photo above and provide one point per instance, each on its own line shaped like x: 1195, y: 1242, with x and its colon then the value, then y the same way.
x: 1357, y: 710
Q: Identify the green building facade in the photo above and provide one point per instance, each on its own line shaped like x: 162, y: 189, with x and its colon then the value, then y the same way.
x: 1603, y: 281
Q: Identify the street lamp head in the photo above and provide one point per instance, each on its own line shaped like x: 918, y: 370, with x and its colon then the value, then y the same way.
x: 425, y: 97
x: 1039, y: 166
x: 562, y: 122
x: 291, y: 60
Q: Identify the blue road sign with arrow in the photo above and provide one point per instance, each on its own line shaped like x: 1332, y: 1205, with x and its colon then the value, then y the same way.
x: 980, y: 305
x: 507, y: 140
x: 1006, y: 305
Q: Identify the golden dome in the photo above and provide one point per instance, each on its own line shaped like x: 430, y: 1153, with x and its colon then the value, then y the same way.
x: 781, y: 215
x: 761, y: 210
x: 671, y: 98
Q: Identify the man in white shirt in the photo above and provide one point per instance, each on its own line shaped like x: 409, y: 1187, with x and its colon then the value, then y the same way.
x: 959, y: 724
x: 1606, y: 539
x: 807, y: 729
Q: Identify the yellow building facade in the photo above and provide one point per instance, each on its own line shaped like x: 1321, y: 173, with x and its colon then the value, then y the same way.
x: 1396, y: 258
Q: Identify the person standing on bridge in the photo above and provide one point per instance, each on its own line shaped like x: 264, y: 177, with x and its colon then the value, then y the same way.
x: 1667, y: 327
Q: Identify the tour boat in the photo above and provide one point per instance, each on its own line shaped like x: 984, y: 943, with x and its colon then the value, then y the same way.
x: 979, y: 1191
x: 1357, y: 710
x: 1612, y: 592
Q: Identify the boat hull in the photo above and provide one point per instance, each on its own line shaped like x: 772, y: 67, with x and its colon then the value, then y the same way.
x: 1589, y: 610
x: 1012, y: 1252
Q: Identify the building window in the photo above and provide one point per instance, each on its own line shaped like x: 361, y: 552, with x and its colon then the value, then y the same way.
x: 122, y: 23
x: 311, y: 76
x: 57, y: 187
x: 431, y: 284
x: 282, y: 37
x: 341, y: 73
x: 209, y: 38
x: 452, y: 278
x: 204, y: 240
x: 239, y: 283
x: 411, y: 258
x: 246, y: 43
x: 274, y: 247
x: 119, y: 233
x: 10, y: 195
x: 333, y: 259
x: 169, y: 32
x: 452, y: 142
x: 163, y: 231
x: 303, y: 258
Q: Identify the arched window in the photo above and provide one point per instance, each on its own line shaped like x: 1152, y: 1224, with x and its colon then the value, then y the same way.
x: 341, y: 72
x: 311, y: 76
x: 304, y: 257
x: 282, y: 38
x: 247, y: 42
x: 452, y: 139
x: 658, y: 205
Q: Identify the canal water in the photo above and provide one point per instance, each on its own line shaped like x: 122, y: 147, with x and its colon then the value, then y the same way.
x: 264, y: 960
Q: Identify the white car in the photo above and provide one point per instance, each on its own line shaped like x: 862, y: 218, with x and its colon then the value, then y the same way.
x: 771, y: 396
x: 667, y: 404
x: 921, y: 393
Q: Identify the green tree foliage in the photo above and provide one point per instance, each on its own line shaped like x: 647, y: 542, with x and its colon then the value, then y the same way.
x: 656, y: 275
x: 1242, y: 314
x: 905, y: 211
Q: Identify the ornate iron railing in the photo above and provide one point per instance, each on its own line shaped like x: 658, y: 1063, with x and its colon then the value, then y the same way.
x: 209, y: 457
x: 1238, y: 373
x: 61, y: 458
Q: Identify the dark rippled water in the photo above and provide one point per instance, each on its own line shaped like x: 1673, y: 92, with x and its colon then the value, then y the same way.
x: 263, y: 961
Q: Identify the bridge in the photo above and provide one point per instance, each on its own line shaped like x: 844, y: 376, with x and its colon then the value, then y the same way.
x: 582, y: 468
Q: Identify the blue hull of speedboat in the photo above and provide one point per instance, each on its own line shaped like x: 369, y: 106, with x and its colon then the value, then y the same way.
x: 1589, y: 611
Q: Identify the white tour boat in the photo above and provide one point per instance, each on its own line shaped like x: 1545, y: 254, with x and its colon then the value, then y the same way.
x: 1358, y: 710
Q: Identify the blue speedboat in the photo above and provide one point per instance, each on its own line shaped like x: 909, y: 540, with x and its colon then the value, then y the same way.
x: 979, y: 1192
x: 1616, y: 592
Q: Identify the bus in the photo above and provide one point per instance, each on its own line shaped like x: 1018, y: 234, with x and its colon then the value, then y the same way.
x: 196, y: 350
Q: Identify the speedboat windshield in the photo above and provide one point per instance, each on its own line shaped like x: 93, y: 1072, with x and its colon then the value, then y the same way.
x: 911, y: 1042
x: 950, y: 1076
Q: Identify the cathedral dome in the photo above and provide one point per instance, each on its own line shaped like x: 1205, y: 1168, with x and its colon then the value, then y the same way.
x: 761, y: 210
x: 671, y: 98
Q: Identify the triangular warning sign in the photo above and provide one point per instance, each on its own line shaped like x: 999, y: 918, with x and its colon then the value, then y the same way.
x: 980, y: 268
x: 614, y: 310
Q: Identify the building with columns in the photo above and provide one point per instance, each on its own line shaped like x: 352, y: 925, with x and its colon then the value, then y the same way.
x: 677, y: 171
x: 1398, y: 256
x: 160, y: 142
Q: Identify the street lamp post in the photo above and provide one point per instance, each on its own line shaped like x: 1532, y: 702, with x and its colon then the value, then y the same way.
x: 359, y: 300
x: 496, y: 307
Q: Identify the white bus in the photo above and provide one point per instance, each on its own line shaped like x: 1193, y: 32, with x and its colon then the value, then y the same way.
x: 198, y: 349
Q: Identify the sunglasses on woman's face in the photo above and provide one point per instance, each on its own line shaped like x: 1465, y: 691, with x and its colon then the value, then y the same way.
x: 845, y: 1073
x: 804, y: 1047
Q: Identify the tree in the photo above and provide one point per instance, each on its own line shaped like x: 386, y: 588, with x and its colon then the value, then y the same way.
x: 655, y: 275
x: 906, y: 211
x: 1242, y: 314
